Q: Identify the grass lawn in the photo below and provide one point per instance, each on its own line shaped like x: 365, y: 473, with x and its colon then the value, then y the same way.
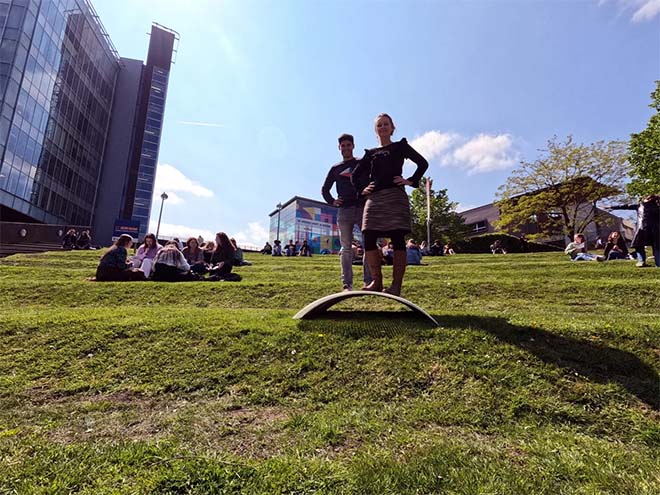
x: 542, y: 379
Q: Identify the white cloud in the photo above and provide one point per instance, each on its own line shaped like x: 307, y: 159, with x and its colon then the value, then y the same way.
x: 479, y: 154
x: 434, y: 143
x: 183, y: 232
x: 647, y: 11
x: 486, y: 153
x: 464, y: 207
x: 256, y: 235
x: 644, y: 10
x: 171, y: 180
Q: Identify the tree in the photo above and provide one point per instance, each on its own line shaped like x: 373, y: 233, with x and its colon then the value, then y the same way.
x: 446, y: 224
x: 559, y: 191
x: 644, y: 153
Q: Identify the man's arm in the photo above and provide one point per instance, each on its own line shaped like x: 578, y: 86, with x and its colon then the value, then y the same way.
x: 327, y: 185
x: 623, y: 207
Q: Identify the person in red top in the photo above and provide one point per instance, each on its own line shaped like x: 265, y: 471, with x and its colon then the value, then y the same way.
x: 378, y: 177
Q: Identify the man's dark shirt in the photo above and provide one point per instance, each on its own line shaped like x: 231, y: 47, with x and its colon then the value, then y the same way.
x: 341, y: 175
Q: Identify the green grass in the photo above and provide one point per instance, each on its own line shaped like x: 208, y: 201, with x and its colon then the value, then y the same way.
x: 542, y: 379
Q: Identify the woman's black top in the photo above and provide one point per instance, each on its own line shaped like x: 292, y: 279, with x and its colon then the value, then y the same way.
x: 620, y: 243
x: 223, y: 255
x: 115, y: 258
x: 379, y: 166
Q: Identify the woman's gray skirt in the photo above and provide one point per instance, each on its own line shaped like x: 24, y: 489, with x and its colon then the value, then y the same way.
x: 387, y: 210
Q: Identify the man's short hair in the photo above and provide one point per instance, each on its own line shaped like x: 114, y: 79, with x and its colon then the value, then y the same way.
x: 346, y: 137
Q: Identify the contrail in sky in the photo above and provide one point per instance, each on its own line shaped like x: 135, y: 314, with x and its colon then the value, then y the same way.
x: 202, y: 124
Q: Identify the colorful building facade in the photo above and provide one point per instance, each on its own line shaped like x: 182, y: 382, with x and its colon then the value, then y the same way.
x: 301, y: 219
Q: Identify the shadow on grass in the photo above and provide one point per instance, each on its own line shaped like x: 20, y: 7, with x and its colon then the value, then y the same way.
x: 594, y: 361
x: 357, y: 324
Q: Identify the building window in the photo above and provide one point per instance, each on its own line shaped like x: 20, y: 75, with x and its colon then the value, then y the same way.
x: 479, y: 226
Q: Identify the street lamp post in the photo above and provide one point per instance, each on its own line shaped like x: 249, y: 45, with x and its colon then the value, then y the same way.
x: 279, y: 209
x: 163, y: 197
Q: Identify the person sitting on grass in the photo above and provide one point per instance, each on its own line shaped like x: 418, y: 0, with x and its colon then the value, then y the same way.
x: 144, y: 258
x: 615, y: 248
x: 277, y: 247
x: 388, y: 253
x: 267, y: 249
x: 497, y: 247
x: 194, y: 256
x: 69, y: 240
x: 239, y: 260
x: 436, y: 248
x: 114, y: 267
x: 208, y: 249
x: 577, y: 250
x: 305, y: 250
x: 449, y: 249
x: 171, y: 266
x: 222, y: 259
x: 413, y: 253
x: 290, y: 249
x: 84, y: 240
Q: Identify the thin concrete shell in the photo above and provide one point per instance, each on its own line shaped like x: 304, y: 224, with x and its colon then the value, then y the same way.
x: 320, y: 306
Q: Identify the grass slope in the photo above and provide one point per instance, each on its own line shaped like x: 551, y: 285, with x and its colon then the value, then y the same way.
x: 542, y: 379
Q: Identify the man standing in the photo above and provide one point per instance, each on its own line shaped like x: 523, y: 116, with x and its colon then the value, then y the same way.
x: 349, y: 208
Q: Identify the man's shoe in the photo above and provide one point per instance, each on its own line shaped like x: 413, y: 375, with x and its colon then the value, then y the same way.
x: 600, y: 258
x: 640, y: 264
x: 347, y: 288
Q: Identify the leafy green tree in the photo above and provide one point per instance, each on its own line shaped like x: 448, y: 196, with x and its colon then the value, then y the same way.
x: 644, y: 153
x: 446, y: 224
x: 559, y: 191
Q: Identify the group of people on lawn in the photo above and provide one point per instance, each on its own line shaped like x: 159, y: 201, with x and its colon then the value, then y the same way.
x: 647, y: 233
x: 291, y: 249
x: 73, y: 240
x: 209, y: 261
x: 370, y: 194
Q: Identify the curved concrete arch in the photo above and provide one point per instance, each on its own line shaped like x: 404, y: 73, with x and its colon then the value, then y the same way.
x: 320, y: 306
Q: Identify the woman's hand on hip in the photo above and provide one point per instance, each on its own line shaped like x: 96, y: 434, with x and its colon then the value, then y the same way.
x: 368, y: 190
x: 400, y: 181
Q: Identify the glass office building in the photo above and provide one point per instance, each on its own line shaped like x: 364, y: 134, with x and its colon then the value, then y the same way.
x: 303, y: 219
x: 57, y: 77
x: 64, y: 92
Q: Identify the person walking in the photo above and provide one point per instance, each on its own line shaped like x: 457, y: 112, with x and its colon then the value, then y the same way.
x: 378, y: 177
x: 350, y: 208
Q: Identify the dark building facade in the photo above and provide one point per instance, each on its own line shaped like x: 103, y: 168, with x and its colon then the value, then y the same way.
x: 63, y: 90
x: 137, y: 117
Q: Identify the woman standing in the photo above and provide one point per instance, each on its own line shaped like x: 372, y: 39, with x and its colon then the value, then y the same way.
x: 378, y: 177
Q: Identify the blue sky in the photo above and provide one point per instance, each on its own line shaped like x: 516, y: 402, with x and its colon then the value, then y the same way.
x: 261, y: 90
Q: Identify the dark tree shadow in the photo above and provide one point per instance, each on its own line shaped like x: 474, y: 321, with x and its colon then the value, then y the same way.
x: 594, y: 361
x: 357, y: 324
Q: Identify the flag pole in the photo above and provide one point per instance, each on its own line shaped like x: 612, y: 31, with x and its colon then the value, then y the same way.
x: 428, y: 211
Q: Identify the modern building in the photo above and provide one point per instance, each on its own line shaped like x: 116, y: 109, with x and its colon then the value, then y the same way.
x: 301, y: 219
x: 129, y: 172
x: 482, y: 220
x: 79, y: 126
